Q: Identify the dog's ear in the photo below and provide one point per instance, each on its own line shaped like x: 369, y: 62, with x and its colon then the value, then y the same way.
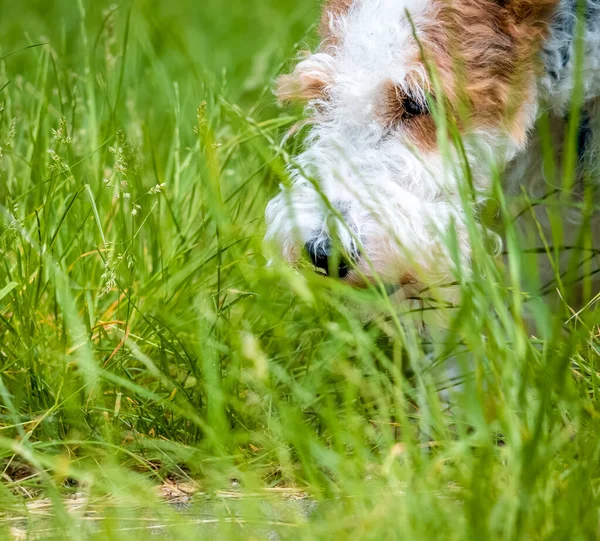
x: 309, y: 80
x: 314, y: 74
x: 331, y: 10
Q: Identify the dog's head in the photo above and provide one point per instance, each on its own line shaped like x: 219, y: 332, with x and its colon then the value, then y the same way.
x: 378, y: 182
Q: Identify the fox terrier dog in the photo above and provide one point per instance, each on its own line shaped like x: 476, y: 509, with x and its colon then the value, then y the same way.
x: 379, y: 187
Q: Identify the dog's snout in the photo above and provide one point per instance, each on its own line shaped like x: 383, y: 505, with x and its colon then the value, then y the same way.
x: 321, y: 256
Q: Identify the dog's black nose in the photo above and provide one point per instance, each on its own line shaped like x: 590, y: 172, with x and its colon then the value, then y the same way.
x: 320, y: 255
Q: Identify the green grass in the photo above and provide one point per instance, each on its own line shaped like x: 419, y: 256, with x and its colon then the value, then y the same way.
x: 144, y: 341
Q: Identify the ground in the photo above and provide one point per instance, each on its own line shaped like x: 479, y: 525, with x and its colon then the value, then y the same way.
x: 158, y: 377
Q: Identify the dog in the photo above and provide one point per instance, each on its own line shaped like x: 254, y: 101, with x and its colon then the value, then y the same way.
x: 379, y: 193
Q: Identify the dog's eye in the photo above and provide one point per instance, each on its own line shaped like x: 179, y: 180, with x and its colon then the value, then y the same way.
x: 400, y: 105
x: 413, y: 107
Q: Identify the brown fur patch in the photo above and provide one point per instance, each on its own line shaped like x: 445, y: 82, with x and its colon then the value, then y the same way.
x: 485, y: 53
x: 422, y: 132
x: 332, y: 8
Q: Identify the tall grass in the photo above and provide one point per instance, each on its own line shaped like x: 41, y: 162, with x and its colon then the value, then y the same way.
x: 145, y: 343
